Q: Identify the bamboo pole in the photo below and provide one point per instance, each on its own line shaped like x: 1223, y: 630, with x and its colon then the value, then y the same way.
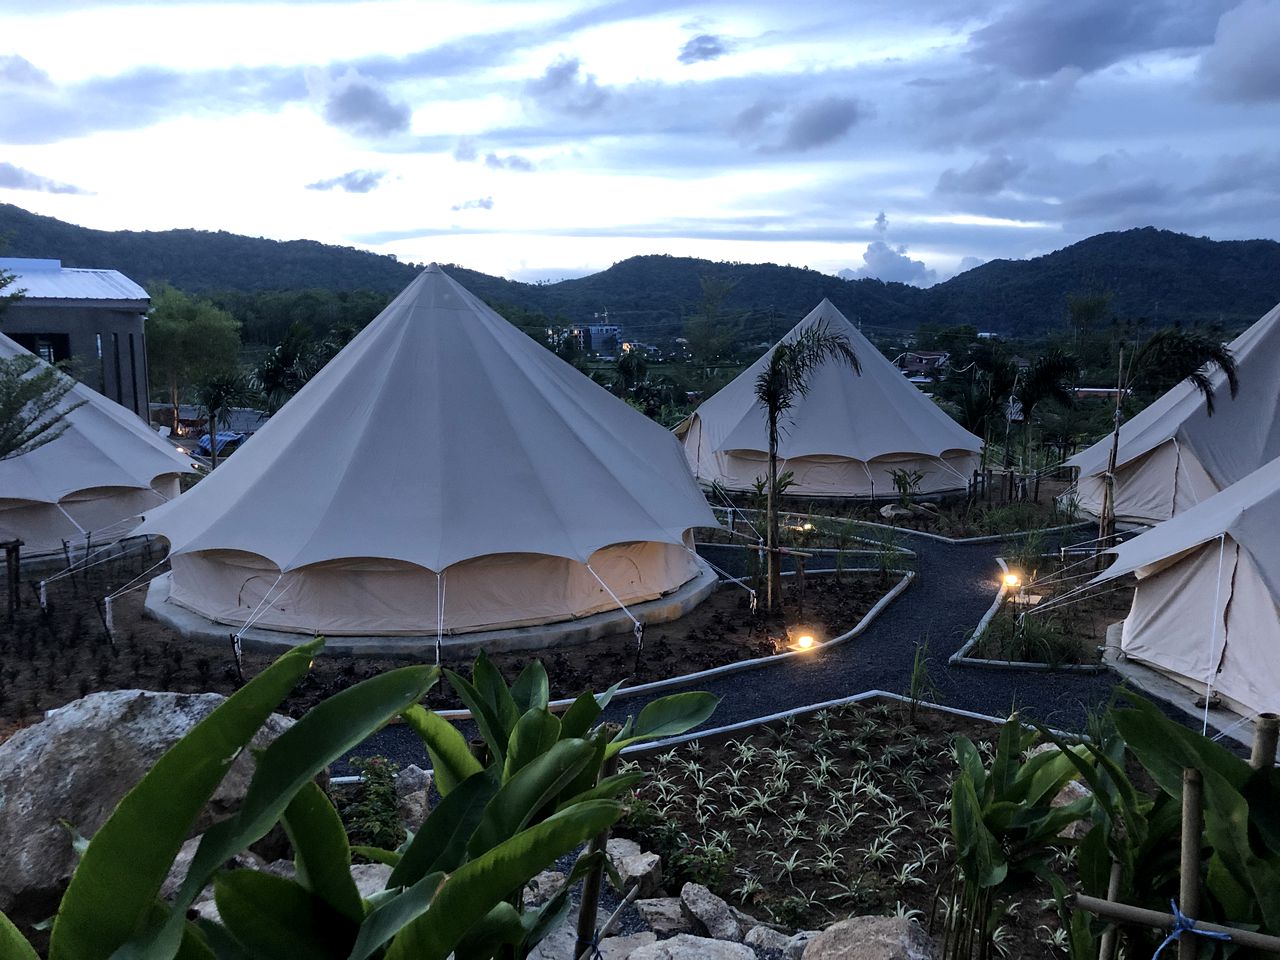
x: 1107, y: 948
x: 1166, y: 921
x: 589, y: 907
x: 1189, y: 863
x: 1265, y: 733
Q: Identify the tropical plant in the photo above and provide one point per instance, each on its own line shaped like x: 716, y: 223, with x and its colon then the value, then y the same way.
x: 189, y: 341
x: 783, y: 381
x: 1050, y: 377
x: 286, y: 368
x: 907, y: 483
x: 218, y: 395
x: 455, y: 886
x: 921, y: 684
x: 31, y: 404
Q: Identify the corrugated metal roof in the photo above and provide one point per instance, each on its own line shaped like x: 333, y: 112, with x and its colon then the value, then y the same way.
x: 50, y: 280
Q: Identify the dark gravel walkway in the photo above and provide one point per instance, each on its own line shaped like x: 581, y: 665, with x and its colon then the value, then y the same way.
x: 954, y: 587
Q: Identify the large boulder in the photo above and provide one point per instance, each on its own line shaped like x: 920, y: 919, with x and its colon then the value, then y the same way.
x: 666, y: 916
x: 686, y: 947
x: 872, y: 938
x: 713, y: 913
x: 76, y: 765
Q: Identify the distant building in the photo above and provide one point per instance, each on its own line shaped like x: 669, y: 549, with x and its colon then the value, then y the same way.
x: 923, y: 363
x: 92, y: 318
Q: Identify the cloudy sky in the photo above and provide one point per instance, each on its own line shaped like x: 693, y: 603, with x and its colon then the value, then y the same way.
x: 540, y: 140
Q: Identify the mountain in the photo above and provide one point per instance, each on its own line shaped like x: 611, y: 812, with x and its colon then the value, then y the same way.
x: 1150, y: 273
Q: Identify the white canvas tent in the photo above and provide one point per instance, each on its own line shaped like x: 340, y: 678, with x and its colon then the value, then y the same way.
x: 843, y: 439
x: 443, y: 465
x: 1173, y: 455
x: 92, y: 483
x: 1206, y: 610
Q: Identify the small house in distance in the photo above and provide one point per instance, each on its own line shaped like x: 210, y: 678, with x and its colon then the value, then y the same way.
x: 92, y: 318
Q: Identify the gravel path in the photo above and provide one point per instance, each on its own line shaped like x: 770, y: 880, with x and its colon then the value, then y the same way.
x: 954, y: 587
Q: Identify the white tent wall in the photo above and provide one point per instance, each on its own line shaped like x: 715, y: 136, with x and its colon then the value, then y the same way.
x: 1208, y: 619
x: 104, y: 514
x: 1151, y: 488
x: 356, y: 597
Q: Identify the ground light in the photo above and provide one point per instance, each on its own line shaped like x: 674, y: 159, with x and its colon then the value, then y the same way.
x: 802, y: 639
x: 1012, y: 580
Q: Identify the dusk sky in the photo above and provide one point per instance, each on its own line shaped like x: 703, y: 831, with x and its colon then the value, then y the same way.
x: 540, y: 140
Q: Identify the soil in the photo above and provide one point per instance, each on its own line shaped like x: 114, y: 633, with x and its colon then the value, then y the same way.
x: 817, y: 849
x: 47, y: 660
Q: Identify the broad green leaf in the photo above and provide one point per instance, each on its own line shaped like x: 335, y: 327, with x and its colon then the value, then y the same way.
x: 277, y: 919
x: 194, y: 946
x: 546, y: 918
x: 535, y: 733
x: 326, y: 732
x: 583, y: 712
x: 522, y: 797
x: 486, y: 718
x: 476, y: 887
x: 976, y: 849
x: 501, y: 925
x: 606, y: 789
x: 116, y: 883
x: 488, y: 680
x: 451, y: 760
x: 667, y: 717
x: 970, y: 761
x: 1093, y: 862
x: 321, y: 852
x: 13, y: 945
x: 1004, y: 764
x: 388, y: 918
x: 441, y: 843
x: 221, y: 942
x: 1260, y: 792
x: 377, y: 854
x: 532, y: 689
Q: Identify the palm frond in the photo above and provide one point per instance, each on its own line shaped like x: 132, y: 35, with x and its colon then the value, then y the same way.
x: 1171, y: 356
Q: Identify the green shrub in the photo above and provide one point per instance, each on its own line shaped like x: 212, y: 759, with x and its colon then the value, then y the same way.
x: 373, y: 817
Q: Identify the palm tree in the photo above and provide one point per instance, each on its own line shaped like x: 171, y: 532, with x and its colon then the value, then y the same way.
x: 218, y: 395
x: 783, y: 381
x: 629, y: 373
x: 1049, y: 378
x: 287, y: 367
x: 1168, y: 357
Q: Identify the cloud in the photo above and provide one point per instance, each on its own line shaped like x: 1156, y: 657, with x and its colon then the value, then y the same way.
x: 566, y: 88
x: 512, y: 161
x: 16, y: 178
x: 969, y: 263
x: 892, y: 265
x: 1242, y: 64
x: 776, y: 128
x: 984, y: 177
x: 482, y: 203
x: 1037, y: 38
x: 361, y: 106
x: 21, y: 72
x: 705, y: 46
x: 353, y: 181
x: 988, y: 106
x: 465, y: 151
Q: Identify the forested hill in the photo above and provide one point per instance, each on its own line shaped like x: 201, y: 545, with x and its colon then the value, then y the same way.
x: 1150, y: 273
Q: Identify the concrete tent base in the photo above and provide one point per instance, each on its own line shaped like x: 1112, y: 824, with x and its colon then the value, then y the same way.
x: 674, y: 605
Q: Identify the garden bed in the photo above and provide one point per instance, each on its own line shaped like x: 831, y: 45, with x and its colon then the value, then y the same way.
x: 49, y: 660
x: 843, y: 812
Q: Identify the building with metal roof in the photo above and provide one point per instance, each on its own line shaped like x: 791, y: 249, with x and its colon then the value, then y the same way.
x: 92, y: 319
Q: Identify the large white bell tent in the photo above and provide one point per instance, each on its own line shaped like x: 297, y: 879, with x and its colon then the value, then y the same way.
x: 443, y: 473
x: 90, y: 485
x: 1173, y: 454
x: 844, y: 438
x: 1206, y: 610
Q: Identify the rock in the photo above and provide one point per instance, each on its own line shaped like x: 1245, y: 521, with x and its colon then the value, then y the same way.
x: 76, y: 765
x: 924, y: 509
x: 766, y: 938
x: 282, y: 868
x: 620, y: 848
x: 622, y: 948
x: 872, y: 938
x: 558, y: 944
x: 664, y: 915
x: 892, y: 511
x: 543, y: 887
x: 413, y: 809
x: 796, y: 945
x: 686, y: 947
x: 412, y: 779
x: 747, y: 922
x: 182, y: 863
x: 1072, y: 791
x: 644, y: 869
x: 713, y: 912
x: 370, y: 878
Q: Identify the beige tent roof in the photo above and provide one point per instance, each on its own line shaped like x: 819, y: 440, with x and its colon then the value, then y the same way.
x: 1248, y: 512
x: 439, y: 434
x: 104, y: 445
x: 877, y: 414
x: 1242, y: 434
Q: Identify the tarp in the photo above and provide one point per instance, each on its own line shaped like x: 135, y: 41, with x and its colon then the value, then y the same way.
x: 841, y: 438
x: 1173, y: 454
x: 105, y: 467
x: 440, y: 434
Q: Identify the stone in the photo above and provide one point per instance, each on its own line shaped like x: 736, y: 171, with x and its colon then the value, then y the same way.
x: 1072, y: 791
x: 872, y: 938
x: 711, y: 911
x: 767, y: 938
x: 796, y: 945
x: 413, y: 809
x: 664, y: 915
x: 282, y: 868
x: 246, y: 860
x: 412, y: 779
x: 370, y: 878
x: 644, y: 869
x: 891, y: 512
x: 686, y: 947
x: 543, y: 887
x: 76, y: 765
x: 746, y: 921
x: 622, y: 948
x: 619, y: 848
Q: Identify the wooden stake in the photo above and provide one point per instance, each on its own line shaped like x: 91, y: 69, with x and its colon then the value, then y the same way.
x: 1189, y: 865
x: 1107, y: 948
x: 1265, y: 733
x: 590, y: 905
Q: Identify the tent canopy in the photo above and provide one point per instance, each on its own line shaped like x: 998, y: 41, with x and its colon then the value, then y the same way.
x: 876, y: 414
x: 104, y: 445
x: 441, y: 433
x: 1243, y: 432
